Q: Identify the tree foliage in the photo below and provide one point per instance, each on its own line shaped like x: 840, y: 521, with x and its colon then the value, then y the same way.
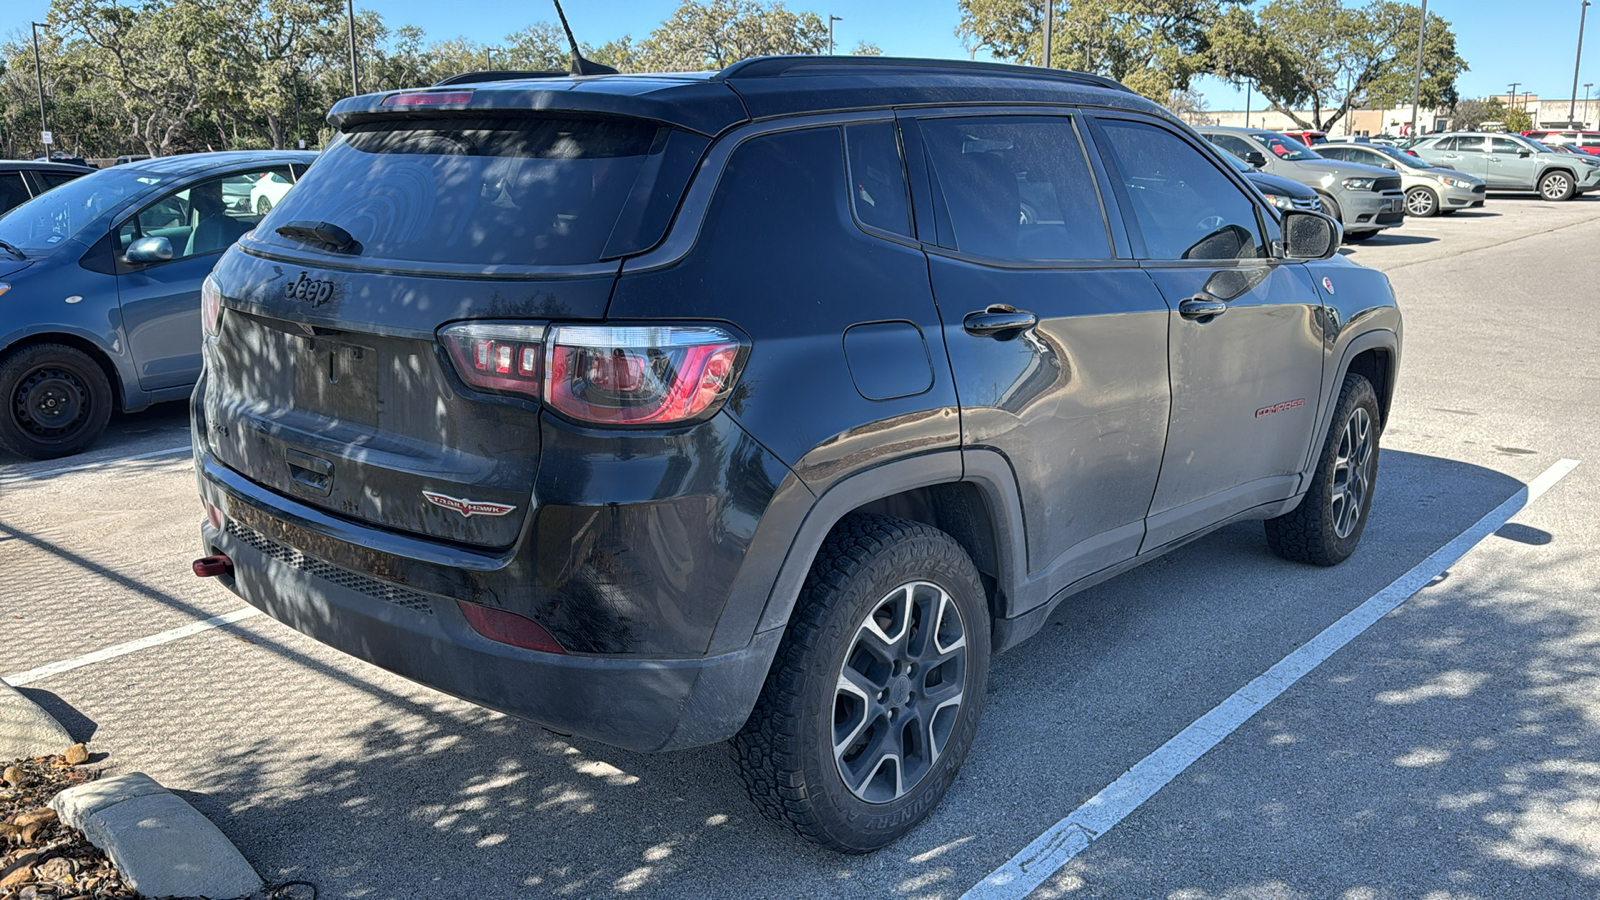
x: 1153, y: 46
x: 169, y: 76
x: 1323, y: 56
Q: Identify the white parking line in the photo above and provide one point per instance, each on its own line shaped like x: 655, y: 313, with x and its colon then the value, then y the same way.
x: 48, y: 473
x: 1067, y: 838
x: 154, y: 640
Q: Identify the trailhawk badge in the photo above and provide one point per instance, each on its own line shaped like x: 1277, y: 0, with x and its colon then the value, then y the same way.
x: 467, y: 508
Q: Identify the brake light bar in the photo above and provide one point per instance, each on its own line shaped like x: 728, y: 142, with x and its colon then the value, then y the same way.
x: 427, y: 98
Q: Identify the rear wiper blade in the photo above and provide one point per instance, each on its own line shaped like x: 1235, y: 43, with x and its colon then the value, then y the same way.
x: 12, y: 249
x: 322, y: 235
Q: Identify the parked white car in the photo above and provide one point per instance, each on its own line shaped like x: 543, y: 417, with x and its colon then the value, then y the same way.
x: 267, y: 191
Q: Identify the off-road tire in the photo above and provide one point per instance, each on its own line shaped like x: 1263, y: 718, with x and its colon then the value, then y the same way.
x: 1557, y: 186
x: 786, y: 751
x: 56, y: 401
x: 1422, y: 202
x: 1310, y: 532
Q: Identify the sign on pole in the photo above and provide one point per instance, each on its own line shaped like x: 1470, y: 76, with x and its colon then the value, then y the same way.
x: 48, y: 137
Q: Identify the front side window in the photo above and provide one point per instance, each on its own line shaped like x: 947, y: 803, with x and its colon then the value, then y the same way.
x: 200, y: 219
x: 1016, y: 188
x: 1235, y: 145
x: 1504, y: 145
x: 877, y: 179
x: 1182, y: 204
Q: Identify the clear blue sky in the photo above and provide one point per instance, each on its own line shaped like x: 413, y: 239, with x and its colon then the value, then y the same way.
x: 1531, y: 42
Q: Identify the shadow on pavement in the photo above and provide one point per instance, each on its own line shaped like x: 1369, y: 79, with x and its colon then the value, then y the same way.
x: 370, y: 786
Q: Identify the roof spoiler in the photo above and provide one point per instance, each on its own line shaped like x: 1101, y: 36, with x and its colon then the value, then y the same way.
x: 771, y: 66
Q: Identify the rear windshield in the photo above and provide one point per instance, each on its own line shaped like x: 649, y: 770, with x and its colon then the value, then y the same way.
x: 530, y: 191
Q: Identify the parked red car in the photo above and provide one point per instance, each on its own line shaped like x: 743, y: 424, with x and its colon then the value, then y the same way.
x: 1309, y: 138
x: 1586, y: 141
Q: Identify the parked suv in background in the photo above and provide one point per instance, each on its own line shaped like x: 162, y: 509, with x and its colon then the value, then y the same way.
x: 1511, y: 162
x: 22, y: 180
x: 766, y: 404
x: 1430, y: 189
x: 1585, y: 141
x: 1365, y: 198
x: 100, y: 291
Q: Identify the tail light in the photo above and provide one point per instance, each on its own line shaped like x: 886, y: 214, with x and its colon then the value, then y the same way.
x: 607, y: 374
x: 640, y: 375
x: 210, y: 307
x: 498, y: 357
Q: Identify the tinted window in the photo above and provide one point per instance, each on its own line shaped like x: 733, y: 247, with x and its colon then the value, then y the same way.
x: 48, y: 180
x: 13, y: 192
x: 1343, y: 153
x: 1236, y: 145
x: 877, y: 179
x: 1185, y: 207
x: 528, y: 191
x: 1016, y: 188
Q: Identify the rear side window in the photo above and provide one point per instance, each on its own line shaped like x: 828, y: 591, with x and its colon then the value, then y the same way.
x: 877, y: 179
x: 49, y: 180
x: 1185, y: 207
x: 13, y: 192
x: 504, y: 191
x: 1015, y: 188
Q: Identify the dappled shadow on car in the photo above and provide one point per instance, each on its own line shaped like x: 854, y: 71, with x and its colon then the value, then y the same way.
x: 369, y: 785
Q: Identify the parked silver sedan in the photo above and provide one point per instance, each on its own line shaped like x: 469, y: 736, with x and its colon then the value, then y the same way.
x: 1430, y: 189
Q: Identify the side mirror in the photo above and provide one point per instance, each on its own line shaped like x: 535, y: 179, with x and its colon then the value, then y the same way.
x: 1524, y: 153
x: 1309, y: 235
x: 1255, y: 158
x: 149, y: 250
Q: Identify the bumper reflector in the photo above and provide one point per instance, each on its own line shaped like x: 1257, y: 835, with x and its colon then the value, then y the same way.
x: 211, y: 566
x: 507, y: 628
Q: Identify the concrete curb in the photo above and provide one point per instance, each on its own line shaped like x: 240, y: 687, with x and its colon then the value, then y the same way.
x: 162, y: 846
x: 27, y: 730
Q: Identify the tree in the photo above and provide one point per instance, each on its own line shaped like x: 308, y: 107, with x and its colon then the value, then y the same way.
x: 1325, y: 57
x: 1153, y: 46
x: 713, y: 34
x: 866, y: 48
x: 1190, y: 107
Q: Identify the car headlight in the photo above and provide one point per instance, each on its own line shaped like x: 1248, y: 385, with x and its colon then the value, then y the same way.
x: 1447, y: 181
x: 1359, y: 184
x: 1280, y: 201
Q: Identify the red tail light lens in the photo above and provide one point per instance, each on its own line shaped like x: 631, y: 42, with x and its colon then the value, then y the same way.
x: 509, y: 628
x: 210, y: 307
x: 638, y: 375
x: 498, y: 357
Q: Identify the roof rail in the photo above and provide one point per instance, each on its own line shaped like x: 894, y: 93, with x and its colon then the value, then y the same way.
x: 770, y: 66
x: 497, y: 75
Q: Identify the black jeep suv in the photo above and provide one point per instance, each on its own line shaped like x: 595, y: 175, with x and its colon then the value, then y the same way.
x: 767, y: 404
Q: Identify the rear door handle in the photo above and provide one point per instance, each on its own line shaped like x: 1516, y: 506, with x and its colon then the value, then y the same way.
x: 1201, y: 309
x: 999, y: 321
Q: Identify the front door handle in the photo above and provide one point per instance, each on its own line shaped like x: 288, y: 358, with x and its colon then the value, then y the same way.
x: 1201, y: 309
x: 999, y: 321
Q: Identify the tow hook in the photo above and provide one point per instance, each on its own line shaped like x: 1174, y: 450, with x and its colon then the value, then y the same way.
x: 211, y: 566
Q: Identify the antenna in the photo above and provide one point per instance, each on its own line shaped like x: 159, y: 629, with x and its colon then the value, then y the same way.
x: 580, y: 66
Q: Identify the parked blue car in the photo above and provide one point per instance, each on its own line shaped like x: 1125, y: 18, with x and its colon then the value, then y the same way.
x: 100, y: 290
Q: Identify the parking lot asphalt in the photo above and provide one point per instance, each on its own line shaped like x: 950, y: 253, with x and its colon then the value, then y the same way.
x: 1450, y: 751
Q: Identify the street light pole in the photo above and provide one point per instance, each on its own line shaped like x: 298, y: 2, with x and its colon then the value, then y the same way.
x: 832, y: 19
x: 1586, y: 102
x: 1049, y: 23
x: 1416, y: 84
x: 355, y: 81
x: 1247, y: 104
x: 38, y: 74
x: 1583, y: 14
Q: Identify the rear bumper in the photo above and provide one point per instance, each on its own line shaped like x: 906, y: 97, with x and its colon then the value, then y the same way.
x: 635, y: 703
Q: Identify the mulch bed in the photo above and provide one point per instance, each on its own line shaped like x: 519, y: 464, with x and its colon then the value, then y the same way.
x: 40, y: 858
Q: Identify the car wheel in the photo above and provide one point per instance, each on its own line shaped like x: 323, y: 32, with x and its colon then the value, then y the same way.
x: 1326, y: 527
x: 1422, y: 202
x: 58, y: 401
x: 1330, y: 206
x: 1556, y: 186
x: 877, y: 689
x: 263, y: 206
